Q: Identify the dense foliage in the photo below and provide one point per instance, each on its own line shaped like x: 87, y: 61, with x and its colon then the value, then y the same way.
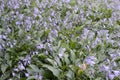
x: 59, y: 40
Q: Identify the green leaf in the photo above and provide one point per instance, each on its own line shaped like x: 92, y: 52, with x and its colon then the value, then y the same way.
x: 22, y: 78
x: 99, y: 78
x: 73, y: 2
x: 7, y: 56
x: 118, y: 22
x: 66, y: 59
x: 46, y: 32
x: 72, y: 56
x: 5, y: 75
x: 59, y: 44
x: 57, y: 59
x: 51, y: 61
x: 10, y: 63
x: 70, y: 74
x: 29, y: 70
x: 72, y: 44
x: 31, y: 78
x: 33, y: 3
x: 63, y: 13
x: 20, y: 33
x: 4, y: 67
x: 2, y: 30
x: 55, y: 71
x: 35, y: 68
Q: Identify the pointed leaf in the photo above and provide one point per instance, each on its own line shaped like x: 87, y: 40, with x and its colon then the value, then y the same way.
x: 55, y: 71
x: 4, y: 67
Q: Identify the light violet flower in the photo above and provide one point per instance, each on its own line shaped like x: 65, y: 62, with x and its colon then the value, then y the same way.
x: 27, y: 74
x: 21, y: 16
x: 36, y: 11
x: 55, y: 32
x: 116, y: 73
x: 16, y: 69
x: 66, y: 1
x: 49, y: 46
x: 1, y: 47
x: 90, y: 60
x: 21, y: 67
x: 111, y: 76
x: 40, y: 46
x: 8, y: 30
x: 104, y: 68
x: 27, y: 2
x: 113, y: 56
x: 54, y: 1
x: 14, y: 4
x: 114, y: 64
x: 13, y: 74
x: 18, y: 22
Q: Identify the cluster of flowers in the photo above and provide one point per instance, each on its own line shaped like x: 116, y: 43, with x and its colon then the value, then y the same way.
x: 53, y: 16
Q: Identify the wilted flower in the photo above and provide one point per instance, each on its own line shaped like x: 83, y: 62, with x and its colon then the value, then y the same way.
x: 83, y: 66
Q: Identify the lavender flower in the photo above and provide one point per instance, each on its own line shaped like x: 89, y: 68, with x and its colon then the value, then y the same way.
x: 111, y: 76
x: 16, y: 69
x: 1, y: 47
x: 38, y: 76
x: 113, y: 56
x: 116, y: 73
x: 27, y: 74
x: 104, y: 68
x: 13, y: 74
x: 21, y: 67
x: 14, y: 4
x: 55, y: 32
x: 90, y: 60
x: 36, y: 11
x: 27, y: 2
x: 21, y: 16
x: 66, y: 1
x: 40, y: 46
